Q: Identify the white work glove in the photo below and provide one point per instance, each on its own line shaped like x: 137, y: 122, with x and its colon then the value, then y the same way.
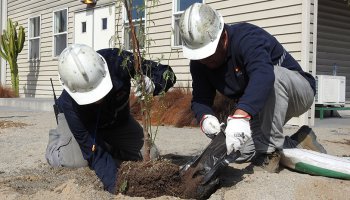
x: 237, y: 132
x: 210, y: 126
x: 149, y: 87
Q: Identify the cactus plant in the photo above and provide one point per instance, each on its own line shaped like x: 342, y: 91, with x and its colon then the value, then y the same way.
x: 11, y: 44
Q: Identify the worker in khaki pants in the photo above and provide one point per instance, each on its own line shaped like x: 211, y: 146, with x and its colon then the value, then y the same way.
x: 244, y: 62
x: 95, y: 127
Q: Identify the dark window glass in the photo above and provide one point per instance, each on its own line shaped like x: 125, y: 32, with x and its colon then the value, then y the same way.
x: 83, y: 27
x: 184, y: 4
x: 104, y: 23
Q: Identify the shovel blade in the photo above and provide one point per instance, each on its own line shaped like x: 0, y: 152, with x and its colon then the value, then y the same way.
x: 211, y: 160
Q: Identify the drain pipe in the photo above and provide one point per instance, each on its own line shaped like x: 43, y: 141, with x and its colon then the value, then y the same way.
x: 3, y: 24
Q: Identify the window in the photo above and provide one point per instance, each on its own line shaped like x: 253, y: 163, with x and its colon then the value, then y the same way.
x: 34, y: 38
x: 83, y: 27
x: 138, y: 13
x: 59, y: 31
x: 179, y: 7
x: 104, y: 23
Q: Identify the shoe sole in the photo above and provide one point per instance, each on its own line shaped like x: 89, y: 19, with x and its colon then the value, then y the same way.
x: 308, y: 140
x: 272, y: 166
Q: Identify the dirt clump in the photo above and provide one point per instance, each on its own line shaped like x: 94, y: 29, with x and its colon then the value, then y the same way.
x: 11, y: 124
x: 158, y: 178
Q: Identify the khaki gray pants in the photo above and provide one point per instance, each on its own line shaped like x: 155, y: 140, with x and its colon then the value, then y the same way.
x: 124, y: 142
x: 62, y: 149
x: 292, y: 96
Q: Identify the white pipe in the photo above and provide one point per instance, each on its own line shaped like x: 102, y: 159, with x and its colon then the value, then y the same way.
x: 314, y: 55
x: 305, y: 49
x: 3, y: 24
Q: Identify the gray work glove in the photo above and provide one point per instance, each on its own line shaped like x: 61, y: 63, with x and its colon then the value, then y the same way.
x: 237, y: 132
x: 210, y: 125
x: 149, y: 87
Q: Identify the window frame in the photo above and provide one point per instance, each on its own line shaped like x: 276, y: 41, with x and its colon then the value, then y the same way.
x: 176, y: 33
x: 61, y: 33
x: 34, y: 38
x: 135, y: 22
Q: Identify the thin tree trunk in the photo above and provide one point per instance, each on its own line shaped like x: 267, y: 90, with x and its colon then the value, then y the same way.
x: 137, y: 65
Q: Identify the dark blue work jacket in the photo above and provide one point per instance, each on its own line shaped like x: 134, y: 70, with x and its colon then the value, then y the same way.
x: 85, y: 121
x: 247, y: 74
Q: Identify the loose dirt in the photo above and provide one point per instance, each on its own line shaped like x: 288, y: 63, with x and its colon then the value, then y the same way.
x: 149, y: 179
x: 10, y: 124
x: 31, y: 181
x: 161, y: 178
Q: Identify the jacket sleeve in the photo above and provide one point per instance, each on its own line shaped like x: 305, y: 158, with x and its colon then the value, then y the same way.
x: 203, y: 93
x: 254, y: 51
x: 162, y: 76
x: 100, y: 160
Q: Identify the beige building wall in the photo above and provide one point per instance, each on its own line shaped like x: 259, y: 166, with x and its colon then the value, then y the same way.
x: 291, y: 22
x: 34, y: 76
x: 283, y: 19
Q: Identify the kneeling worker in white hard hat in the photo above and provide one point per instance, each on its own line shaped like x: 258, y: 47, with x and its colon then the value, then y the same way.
x: 94, y: 108
x: 246, y: 63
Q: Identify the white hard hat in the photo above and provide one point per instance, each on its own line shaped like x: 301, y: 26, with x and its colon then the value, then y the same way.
x: 84, y: 74
x: 200, y: 28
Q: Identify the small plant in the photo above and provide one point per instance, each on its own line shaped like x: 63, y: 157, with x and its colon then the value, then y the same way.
x: 139, y: 45
x: 123, y: 187
x: 11, y: 44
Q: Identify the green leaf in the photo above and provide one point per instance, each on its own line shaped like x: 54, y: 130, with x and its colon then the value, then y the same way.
x: 169, y: 75
x: 123, y: 187
x: 21, y: 37
x: 3, y: 55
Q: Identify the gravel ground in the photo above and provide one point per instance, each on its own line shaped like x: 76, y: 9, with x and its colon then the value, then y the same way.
x: 24, y: 173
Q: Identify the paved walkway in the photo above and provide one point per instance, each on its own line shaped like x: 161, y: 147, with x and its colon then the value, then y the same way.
x: 340, y: 119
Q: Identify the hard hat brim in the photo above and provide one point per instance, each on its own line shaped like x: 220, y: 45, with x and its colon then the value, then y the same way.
x: 205, y: 51
x: 84, y: 98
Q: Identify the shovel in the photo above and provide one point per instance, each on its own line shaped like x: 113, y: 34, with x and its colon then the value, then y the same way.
x: 210, y: 162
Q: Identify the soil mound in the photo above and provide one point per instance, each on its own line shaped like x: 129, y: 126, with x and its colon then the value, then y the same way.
x: 158, y: 178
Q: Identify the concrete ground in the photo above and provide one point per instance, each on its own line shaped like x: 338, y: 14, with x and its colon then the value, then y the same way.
x: 338, y: 119
x: 24, y: 173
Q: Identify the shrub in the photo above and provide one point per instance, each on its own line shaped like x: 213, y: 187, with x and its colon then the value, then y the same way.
x: 174, y: 108
x: 6, y: 92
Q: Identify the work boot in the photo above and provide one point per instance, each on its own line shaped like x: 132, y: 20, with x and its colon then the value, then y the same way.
x: 306, y: 139
x: 268, y: 162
